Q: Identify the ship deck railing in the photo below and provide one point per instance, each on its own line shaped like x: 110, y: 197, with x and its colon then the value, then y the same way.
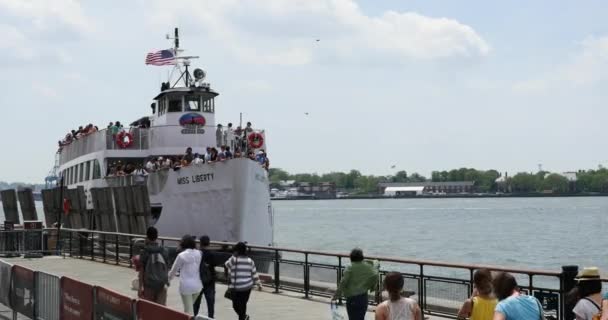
x: 143, y: 139
x: 439, y: 287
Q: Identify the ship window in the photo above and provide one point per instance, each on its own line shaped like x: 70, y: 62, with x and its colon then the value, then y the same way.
x: 87, y: 171
x: 162, y: 106
x: 81, y: 172
x: 175, y: 105
x: 96, y: 170
x: 193, y: 103
x: 70, y: 175
x: 209, y: 106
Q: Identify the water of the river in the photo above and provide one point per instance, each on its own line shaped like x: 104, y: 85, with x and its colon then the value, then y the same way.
x: 539, y: 233
x: 543, y: 233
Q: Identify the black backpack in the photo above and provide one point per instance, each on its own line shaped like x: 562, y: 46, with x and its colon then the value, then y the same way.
x: 156, y: 271
x: 205, y: 271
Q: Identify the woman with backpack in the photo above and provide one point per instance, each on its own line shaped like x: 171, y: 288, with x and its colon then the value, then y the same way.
x: 187, y: 264
x: 481, y: 306
x: 588, y: 295
x: 243, y: 276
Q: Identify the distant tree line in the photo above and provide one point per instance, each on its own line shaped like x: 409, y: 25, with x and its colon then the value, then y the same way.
x: 17, y: 185
x: 484, y: 180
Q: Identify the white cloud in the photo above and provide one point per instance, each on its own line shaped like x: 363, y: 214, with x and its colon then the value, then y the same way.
x: 44, y: 14
x: 588, y: 66
x: 37, y: 30
x: 45, y: 91
x: 285, y: 31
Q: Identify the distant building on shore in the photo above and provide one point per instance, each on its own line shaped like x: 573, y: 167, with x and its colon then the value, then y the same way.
x: 421, y: 188
x: 323, y: 190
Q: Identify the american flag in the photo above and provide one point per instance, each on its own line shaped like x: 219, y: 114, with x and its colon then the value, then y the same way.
x: 160, y: 58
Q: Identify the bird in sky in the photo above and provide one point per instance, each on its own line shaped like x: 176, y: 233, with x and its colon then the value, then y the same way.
x: 318, y: 40
x: 306, y: 113
x: 394, y: 166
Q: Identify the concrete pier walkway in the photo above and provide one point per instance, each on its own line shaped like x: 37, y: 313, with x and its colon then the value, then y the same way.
x: 262, y: 305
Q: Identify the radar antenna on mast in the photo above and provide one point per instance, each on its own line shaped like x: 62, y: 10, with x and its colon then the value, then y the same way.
x: 181, y: 60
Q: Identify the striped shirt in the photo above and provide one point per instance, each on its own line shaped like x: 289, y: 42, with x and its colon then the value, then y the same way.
x: 242, y: 272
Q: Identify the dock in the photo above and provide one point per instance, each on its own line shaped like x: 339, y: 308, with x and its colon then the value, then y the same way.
x: 262, y: 305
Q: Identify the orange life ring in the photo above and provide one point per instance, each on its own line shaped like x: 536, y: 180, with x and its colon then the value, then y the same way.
x: 256, y: 140
x: 120, y: 139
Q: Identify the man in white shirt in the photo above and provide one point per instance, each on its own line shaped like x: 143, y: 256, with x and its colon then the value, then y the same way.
x: 219, y: 136
x: 151, y: 165
x: 229, y: 136
x: 167, y: 163
x: 197, y: 159
x: 139, y: 175
x: 207, y: 156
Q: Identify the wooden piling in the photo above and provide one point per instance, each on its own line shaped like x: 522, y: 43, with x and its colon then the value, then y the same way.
x: 9, y: 205
x: 27, y: 204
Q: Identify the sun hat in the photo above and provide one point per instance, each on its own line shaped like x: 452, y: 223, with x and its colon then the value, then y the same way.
x: 591, y: 273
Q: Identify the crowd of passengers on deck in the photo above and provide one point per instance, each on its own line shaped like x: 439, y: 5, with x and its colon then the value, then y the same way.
x: 78, y: 134
x: 211, y: 155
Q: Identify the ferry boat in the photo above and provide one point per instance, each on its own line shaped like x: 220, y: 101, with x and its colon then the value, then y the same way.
x: 227, y: 200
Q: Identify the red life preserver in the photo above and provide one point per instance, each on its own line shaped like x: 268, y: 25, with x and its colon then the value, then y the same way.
x: 120, y: 139
x: 256, y: 140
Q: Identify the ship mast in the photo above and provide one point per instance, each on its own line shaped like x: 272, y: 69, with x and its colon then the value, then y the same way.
x: 181, y: 60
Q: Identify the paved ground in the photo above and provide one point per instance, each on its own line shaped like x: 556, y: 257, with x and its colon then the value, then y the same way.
x: 262, y: 305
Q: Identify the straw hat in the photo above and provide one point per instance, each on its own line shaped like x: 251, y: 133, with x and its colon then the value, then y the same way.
x: 592, y: 273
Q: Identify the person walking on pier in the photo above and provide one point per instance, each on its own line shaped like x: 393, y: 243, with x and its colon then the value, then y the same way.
x: 208, y: 277
x: 153, y: 279
x: 243, y: 276
x: 482, y: 304
x: 512, y: 304
x: 397, y: 307
x: 359, y: 278
x: 187, y: 264
x: 587, y: 295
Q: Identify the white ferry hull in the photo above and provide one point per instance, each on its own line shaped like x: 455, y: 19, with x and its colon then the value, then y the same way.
x: 229, y: 201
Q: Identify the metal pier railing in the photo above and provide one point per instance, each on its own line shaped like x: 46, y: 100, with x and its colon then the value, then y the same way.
x: 439, y: 287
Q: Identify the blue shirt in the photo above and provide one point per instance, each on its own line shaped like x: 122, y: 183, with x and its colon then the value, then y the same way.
x: 519, y: 308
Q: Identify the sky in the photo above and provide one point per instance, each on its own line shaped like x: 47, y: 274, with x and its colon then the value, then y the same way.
x: 419, y: 84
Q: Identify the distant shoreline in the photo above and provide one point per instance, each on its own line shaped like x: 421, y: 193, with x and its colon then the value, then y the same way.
x: 456, y: 196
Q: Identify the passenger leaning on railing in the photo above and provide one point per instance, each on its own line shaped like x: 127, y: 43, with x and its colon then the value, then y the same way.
x: 482, y: 304
x: 512, y: 304
x: 587, y: 295
x: 359, y: 278
x: 397, y: 307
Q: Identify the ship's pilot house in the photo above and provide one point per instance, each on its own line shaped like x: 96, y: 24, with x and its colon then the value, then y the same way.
x: 173, y: 103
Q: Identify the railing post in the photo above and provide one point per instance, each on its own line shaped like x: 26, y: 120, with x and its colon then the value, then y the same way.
x: 339, y: 278
x: 421, y: 291
x: 471, y: 272
x: 71, y: 255
x: 277, y: 272
x: 306, y: 279
x: 566, y: 284
x: 103, y: 241
x: 130, y: 252
x: 92, y: 246
x: 116, y: 249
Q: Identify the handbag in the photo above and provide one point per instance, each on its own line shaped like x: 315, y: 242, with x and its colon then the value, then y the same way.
x: 228, y: 293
